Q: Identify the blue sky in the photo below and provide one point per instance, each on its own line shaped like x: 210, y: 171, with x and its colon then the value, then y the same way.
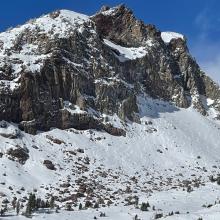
x: 199, y: 20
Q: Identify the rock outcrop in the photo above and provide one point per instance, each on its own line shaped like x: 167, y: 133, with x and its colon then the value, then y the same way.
x: 18, y: 154
x: 99, y: 64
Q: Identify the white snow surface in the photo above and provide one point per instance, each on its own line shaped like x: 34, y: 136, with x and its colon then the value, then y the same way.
x: 128, y: 213
x: 56, y: 27
x: 110, y: 11
x: 60, y: 26
x: 22, y: 54
x: 169, y: 146
x: 168, y: 36
x: 128, y: 53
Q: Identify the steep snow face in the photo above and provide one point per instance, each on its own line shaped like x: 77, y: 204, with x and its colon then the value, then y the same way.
x: 128, y: 53
x: 168, y: 36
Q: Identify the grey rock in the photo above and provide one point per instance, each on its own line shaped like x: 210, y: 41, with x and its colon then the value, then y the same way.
x: 19, y: 154
x: 81, y: 69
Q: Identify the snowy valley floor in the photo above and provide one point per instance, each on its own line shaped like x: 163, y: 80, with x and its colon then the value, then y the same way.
x: 188, y: 205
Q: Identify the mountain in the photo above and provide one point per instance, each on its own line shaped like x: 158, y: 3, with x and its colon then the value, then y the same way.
x: 105, y: 109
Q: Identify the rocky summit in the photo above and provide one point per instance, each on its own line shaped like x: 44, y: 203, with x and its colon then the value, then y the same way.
x: 105, y: 111
x: 101, y: 64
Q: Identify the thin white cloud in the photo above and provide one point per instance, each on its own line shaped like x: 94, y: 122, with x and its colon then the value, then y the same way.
x: 207, y: 55
x: 207, y: 52
x: 212, y: 68
x: 207, y: 20
x: 202, y: 20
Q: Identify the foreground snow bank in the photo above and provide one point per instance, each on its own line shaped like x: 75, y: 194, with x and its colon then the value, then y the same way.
x: 129, y: 213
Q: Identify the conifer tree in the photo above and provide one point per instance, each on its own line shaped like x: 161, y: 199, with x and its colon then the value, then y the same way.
x: 80, y: 206
x: 47, y: 204
x: 42, y: 204
x: 38, y: 203
x: 28, y: 209
x: 14, y: 201
x: 31, y: 204
x: 144, y: 206
x: 52, y: 202
x: 18, y: 206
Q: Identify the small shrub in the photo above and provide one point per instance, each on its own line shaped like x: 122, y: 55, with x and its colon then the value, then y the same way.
x: 159, y: 215
x: 145, y: 206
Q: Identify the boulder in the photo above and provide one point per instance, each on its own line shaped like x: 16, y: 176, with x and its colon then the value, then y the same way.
x: 49, y: 165
x: 18, y: 154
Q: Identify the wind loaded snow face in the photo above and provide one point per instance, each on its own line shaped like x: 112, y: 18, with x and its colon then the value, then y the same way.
x: 107, y: 120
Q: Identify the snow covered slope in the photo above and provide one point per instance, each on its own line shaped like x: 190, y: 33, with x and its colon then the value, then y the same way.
x: 119, y: 147
x: 169, y: 151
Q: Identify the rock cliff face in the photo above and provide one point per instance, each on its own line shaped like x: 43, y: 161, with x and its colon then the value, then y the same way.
x: 69, y: 70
